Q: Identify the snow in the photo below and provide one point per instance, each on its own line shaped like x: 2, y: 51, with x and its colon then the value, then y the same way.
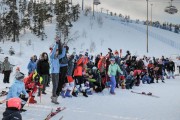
x: 102, y: 106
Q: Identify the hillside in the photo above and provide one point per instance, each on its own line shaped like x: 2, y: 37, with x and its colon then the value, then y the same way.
x: 124, y: 105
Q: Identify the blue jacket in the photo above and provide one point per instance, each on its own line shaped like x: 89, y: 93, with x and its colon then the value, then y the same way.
x: 31, y: 66
x: 54, y: 61
x: 16, y: 89
x: 145, y: 77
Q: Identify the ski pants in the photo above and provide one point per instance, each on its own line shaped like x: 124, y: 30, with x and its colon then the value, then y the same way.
x: 55, y: 81
x: 62, y: 79
x: 6, y: 76
x: 113, y: 83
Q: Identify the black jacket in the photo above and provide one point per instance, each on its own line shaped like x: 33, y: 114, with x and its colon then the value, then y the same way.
x: 11, y: 115
x: 43, y: 67
x: 171, y: 66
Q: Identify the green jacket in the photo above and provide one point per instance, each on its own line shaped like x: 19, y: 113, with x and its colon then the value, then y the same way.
x: 113, y: 69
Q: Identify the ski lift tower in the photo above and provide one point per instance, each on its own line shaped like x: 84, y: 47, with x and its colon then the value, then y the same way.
x: 147, y: 22
x: 95, y: 2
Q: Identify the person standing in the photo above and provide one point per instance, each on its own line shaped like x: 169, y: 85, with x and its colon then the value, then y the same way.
x: 32, y: 65
x: 54, y: 70
x: 112, y: 71
x: 43, y: 70
x: 6, y: 70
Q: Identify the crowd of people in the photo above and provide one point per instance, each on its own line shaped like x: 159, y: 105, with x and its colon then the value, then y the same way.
x: 72, y: 74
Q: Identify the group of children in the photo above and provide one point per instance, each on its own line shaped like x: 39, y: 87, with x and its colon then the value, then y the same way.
x: 74, y: 74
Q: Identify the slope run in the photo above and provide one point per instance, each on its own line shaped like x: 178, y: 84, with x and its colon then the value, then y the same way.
x: 116, y: 34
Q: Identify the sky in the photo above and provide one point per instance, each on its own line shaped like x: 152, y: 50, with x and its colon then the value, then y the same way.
x: 137, y: 9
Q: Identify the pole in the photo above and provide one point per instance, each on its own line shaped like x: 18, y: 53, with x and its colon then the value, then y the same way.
x: 101, y: 10
x: 82, y: 5
x: 147, y: 26
x: 93, y: 9
x: 151, y: 14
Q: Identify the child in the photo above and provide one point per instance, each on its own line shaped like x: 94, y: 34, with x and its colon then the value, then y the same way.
x: 17, y: 90
x: 146, y: 78
x: 130, y: 80
x: 12, y: 111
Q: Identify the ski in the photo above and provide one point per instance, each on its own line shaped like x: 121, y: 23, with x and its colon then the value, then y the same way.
x: 3, y: 93
x: 147, y: 94
x: 52, y: 114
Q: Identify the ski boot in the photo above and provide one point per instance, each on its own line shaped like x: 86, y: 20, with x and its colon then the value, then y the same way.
x: 63, y: 94
x: 68, y: 93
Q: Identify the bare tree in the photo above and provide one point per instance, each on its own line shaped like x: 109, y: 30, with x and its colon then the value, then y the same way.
x: 84, y: 33
x: 91, y: 22
x: 100, y: 21
x: 72, y: 38
x: 102, y: 41
x: 92, y: 46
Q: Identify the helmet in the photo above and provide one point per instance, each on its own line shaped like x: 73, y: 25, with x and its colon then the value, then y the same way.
x: 14, y: 103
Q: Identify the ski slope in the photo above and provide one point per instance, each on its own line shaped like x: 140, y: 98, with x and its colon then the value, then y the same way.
x: 124, y: 105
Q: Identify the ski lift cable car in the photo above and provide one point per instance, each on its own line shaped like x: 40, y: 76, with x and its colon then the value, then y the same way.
x: 96, y: 2
x: 171, y: 9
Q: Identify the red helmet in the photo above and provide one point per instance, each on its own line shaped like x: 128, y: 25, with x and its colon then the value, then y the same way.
x: 14, y: 103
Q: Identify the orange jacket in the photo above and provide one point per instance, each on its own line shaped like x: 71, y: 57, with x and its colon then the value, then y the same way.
x: 79, y: 66
x: 102, y: 64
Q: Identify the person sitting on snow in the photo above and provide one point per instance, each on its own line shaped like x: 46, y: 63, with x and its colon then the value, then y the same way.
x: 146, y: 78
x: 13, y: 107
x: 130, y: 80
x: 17, y: 90
x: 94, y: 81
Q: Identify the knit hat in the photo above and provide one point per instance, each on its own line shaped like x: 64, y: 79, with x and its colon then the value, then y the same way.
x: 112, y: 59
x: 116, y: 52
x: 19, y: 76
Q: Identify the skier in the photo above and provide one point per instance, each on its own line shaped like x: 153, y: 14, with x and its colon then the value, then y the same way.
x: 54, y: 69
x: 13, y: 107
x: 79, y: 70
x: 32, y: 82
x: 146, y: 78
x: 43, y: 70
x: 130, y: 80
x: 6, y: 70
x: 32, y: 65
x: 112, y: 71
x: 17, y: 90
x: 63, y: 70
x: 69, y: 86
x: 170, y: 69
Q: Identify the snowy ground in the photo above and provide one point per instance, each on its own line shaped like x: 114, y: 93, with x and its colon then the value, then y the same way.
x: 123, y: 106
x: 103, y: 106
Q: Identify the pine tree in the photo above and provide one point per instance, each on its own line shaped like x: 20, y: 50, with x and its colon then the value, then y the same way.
x: 11, y: 21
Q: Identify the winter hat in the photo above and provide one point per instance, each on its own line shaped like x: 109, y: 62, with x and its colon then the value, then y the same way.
x: 19, y: 76
x: 86, y: 54
x: 116, y: 52
x: 112, y: 59
x: 14, y: 103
